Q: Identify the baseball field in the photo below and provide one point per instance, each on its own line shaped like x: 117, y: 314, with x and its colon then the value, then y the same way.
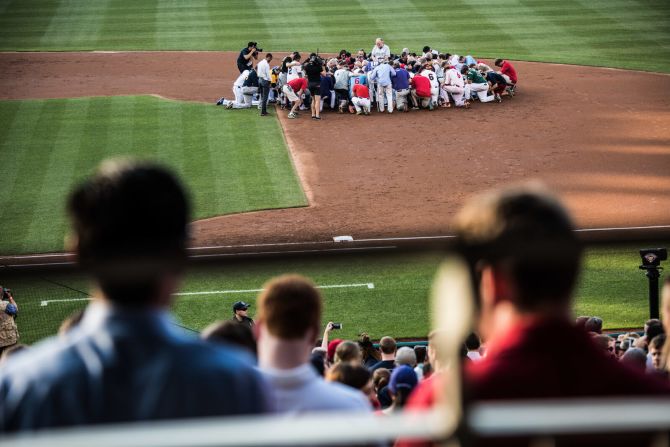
x: 82, y: 81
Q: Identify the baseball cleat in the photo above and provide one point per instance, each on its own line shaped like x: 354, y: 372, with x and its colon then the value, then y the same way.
x: 229, y: 105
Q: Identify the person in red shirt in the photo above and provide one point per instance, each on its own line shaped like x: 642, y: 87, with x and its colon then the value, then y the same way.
x: 293, y: 91
x: 521, y: 247
x: 420, y: 90
x: 508, y: 71
x: 361, y: 99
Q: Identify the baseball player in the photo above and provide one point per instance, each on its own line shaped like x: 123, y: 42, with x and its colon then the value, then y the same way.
x: 294, y: 67
x: 509, y: 73
x: 244, y: 91
x: 478, y: 85
x: 454, y: 83
x: 342, y: 76
x: 361, y: 99
x: 434, y: 85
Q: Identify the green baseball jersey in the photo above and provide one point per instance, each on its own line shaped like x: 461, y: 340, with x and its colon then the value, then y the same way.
x: 476, y: 77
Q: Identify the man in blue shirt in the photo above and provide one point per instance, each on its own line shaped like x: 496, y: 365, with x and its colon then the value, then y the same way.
x: 127, y: 361
x: 400, y: 83
x: 382, y: 74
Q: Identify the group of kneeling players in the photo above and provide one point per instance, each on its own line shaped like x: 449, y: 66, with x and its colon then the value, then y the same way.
x: 355, y: 83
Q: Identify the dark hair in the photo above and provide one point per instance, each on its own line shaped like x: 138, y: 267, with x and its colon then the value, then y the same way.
x: 421, y: 354
x: 296, y: 56
x: 401, y: 397
x: 251, y: 44
x: 594, y: 324
x: 472, y: 342
x: 130, y: 220
x: 230, y: 332
x: 657, y: 342
x: 426, y: 49
x: 653, y: 330
x: 367, y: 348
x: 464, y: 69
x: 526, y: 233
x: 317, y: 360
x: 355, y: 376
x: 498, y: 62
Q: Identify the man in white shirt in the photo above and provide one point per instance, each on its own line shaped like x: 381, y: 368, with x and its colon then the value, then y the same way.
x: 287, y: 325
x: 380, y: 51
x: 263, y: 70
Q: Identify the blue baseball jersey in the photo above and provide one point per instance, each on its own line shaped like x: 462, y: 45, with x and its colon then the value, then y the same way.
x: 356, y: 79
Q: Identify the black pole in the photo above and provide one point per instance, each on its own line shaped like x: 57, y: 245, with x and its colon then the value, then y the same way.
x: 653, y: 275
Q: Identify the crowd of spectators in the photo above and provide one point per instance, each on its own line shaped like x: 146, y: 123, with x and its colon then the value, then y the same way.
x: 125, y: 340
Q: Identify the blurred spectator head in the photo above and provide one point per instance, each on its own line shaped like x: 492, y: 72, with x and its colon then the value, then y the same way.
x: 650, y: 322
x: 405, y: 356
x: 656, y: 351
x: 653, y: 330
x: 421, y: 354
x: 635, y: 358
x: 606, y: 343
x: 521, y: 248
x: 472, y: 342
x: 580, y: 322
x: 12, y: 350
x: 332, y: 347
x: 71, y: 322
x: 348, y: 352
x: 403, y: 381
x: 290, y: 308
x: 622, y: 347
x: 318, y: 361
x: 380, y: 380
x: 367, y: 348
x: 594, y: 324
x: 387, y: 345
x: 230, y: 332
x: 130, y: 230
x: 355, y: 376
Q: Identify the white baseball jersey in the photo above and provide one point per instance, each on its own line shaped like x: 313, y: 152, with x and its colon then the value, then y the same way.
x: 293, y: 72
x: 241, y: 78
x: 432, y: 77
x: 453, y: 77
x: 453, y: 60
x: 379, y: 54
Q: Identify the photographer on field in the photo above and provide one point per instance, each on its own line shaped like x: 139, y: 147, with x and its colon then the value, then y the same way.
x: 9, y: 332
x: 244, y: 60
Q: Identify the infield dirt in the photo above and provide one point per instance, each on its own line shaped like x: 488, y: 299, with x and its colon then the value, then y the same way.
x: 598, y: 137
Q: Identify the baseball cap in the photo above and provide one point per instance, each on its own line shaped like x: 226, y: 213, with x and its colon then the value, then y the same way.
x: 402, y: 377
x: 241, y: 305
x: 332, y: 346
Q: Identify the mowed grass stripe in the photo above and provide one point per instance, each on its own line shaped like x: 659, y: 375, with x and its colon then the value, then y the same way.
x: 51, y: 145
x: 57, y: 177
x: 31, y: 181
x: 128, y: 25
x: 74, y: 23
x: 178, y: 22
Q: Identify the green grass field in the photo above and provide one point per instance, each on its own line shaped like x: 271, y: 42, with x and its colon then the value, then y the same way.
x: 46, y: 146
x: 611, y: 287
x: 614, y: 33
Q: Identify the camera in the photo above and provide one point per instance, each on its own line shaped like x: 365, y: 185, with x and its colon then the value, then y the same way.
x: 652, y: 257
x: 255, y: 45
x: 337, y: 325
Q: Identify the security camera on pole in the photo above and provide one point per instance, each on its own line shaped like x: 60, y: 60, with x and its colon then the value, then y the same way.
x: 651, y: 263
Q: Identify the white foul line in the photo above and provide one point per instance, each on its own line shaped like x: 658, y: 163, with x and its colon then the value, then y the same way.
x: 369, y: 285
